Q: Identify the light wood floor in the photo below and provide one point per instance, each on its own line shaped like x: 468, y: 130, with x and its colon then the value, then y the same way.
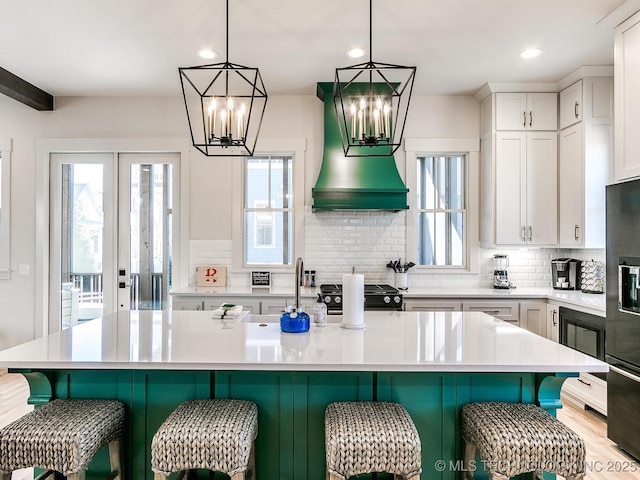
x: 605, y: 461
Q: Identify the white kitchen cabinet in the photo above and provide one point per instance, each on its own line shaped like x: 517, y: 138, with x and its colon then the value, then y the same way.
x: 526, y: 111
x: 553, y: 322
x: 424, y: 305
x: 505, y: 310
x: 187, y: 303
x: 526, y: 206
x: 249, y: 304
x: 533, y: 317
x: 571, y: 106
x: 586, y: 390
x: 627, y: 98
x: 583, y: 167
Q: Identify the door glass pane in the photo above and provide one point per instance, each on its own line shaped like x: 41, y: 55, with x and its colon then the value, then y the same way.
x: 150, y: 215
x: 82, y: 239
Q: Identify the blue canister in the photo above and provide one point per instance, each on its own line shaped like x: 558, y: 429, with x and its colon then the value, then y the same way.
x: 295, y: 321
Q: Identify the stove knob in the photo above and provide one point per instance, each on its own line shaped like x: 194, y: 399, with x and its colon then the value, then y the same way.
x: 338, y: 299
x: 396, y: 299
x: 327, y: 299
x: 386, y: 299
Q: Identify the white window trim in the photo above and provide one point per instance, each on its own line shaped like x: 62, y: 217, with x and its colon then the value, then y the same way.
x: 296, y: 147
x: 47, y: 146
x: 6, y: 146
x: 425, y: 147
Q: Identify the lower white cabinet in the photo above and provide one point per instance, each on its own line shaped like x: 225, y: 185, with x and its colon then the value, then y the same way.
x: 187, y: 303
x: 553, y: 322
x: 587, y: 390
x: 504, y: 310
x: 533, y: 317
x: 248, y: 304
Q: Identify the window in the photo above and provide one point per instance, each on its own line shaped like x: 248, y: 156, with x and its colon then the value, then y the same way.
x: 268, y: 210
x: 441, y: 210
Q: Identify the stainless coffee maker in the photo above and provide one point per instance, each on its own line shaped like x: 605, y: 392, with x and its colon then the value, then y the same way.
x: 500, y: 265
x: 565, y: 273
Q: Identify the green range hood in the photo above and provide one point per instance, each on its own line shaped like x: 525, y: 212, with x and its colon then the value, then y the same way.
x: 353, y: 183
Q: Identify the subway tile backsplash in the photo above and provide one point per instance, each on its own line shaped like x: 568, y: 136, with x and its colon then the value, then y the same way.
x: 335, y: 242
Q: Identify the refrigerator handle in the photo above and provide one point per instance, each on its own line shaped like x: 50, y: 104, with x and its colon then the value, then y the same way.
x: 624, y: 373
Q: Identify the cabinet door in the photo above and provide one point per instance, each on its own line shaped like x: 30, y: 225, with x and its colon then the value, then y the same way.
x: 627, y: 98
x: 571, y: 187
x: 571, y: 105
x: 249, y: 304
x: 511, y: 150
x: 542, y: 111
x: 511, y: 111
x: 533, y: 317
x: 275, y: 306
x: 186, y: 303
x: 553, y: 323
x: 542, y: 188
x: 419, y: 305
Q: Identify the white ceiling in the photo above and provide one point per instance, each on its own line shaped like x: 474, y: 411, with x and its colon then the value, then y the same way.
x: 134, y: 47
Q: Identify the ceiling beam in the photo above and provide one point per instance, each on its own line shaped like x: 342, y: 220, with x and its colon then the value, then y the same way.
x: 24, y: 92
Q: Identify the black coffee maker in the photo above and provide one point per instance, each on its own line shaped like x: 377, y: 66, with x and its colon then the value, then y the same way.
x: 565, y: 273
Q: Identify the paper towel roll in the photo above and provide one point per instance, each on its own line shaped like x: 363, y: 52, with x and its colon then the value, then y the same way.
x: 353, y: 300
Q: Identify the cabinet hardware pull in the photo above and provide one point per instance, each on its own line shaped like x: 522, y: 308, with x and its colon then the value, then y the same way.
x: 493, y: 312
x: 553, y: 316
x: 524, y: 119
x: 624, y: 373
x: 582, y: 381
x: 575, y: 109
x: 523, y: 237
x: 575, y: 232
x: 530, y: 232
x: 530, y: 119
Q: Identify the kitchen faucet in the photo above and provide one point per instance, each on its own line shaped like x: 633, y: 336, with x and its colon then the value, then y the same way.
x: 298, y: 279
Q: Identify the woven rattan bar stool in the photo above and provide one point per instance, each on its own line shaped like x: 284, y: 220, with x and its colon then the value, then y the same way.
x: 368, y: 437
x: 211, y: 434
x: 515, y: 438
x: 63, y: 436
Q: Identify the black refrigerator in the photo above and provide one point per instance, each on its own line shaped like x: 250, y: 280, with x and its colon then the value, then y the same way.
x: 623, y: 315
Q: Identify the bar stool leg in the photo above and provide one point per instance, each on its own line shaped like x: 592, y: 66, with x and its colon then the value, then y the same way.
x: 159, y: 476
x: 469, y: 456
x: 5, y: 476
x: 77, y: 476
x: 115, y: 458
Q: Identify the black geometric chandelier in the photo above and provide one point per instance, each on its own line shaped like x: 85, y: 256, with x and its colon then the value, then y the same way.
x: 371, y: 101
x: 225, y: 103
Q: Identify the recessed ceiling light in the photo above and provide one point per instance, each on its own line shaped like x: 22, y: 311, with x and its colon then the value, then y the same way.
x: 207, y: 53
x: 530, y: 53
x: 355, y: 52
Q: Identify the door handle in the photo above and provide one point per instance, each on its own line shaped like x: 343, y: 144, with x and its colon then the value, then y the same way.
x: 530, y: 118
x: 524, y: 119
x: 523, y: 237
x: 575, y: 109
x: 586, y: 383
x: 554, y: 319
x: 575, y: 232
x: 530, y: 232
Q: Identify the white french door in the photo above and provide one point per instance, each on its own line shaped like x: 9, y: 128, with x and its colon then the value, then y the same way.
x: 112, y: 230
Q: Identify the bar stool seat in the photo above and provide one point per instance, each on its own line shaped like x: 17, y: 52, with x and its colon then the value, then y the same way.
x: 368, y: 437
x: 63, y: 436
x: 515, y: 438
x: 211, y: 434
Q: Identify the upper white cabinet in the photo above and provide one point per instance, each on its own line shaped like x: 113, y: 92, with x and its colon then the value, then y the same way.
x: 586, y: 148
x: 627, y: 98
x: 526, y: 111
x: 571, y: 105
x: 526, y: 193
x: 518, y: 170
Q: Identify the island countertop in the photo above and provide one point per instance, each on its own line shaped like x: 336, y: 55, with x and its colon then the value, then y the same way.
x: 390, y: 341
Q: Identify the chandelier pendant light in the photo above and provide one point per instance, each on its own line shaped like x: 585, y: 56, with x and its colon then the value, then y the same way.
x: 225, y: 104
x: 372, y: 101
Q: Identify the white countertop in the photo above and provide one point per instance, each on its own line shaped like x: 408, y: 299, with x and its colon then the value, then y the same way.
x: 391, y: 341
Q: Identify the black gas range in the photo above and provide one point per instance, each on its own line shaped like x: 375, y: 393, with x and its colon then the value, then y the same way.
x: 376, y: 297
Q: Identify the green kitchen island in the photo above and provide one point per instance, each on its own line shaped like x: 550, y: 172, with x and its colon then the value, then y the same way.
x: 430, y: 362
